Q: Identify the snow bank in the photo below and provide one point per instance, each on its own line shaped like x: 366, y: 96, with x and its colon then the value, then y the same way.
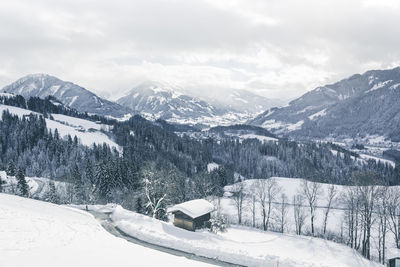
x: 35, y: 233
x: 242, y: 246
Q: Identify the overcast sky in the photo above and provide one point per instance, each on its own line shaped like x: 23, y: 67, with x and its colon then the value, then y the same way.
x: 277, y: 48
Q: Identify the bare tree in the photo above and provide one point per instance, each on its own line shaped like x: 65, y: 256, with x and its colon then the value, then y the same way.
x: 299, y: 214
x: 203, y: 185
x: 332, y: 192
x: 368, y: 196
x: 394, y: 213
x: 253, y: 210
x: 283, y: 213
x: 266, y: 191
x: 311, y: 191
x: 154, y: 189
x: 382, y: 212
x: 238, y: 197
x: 351, y: 202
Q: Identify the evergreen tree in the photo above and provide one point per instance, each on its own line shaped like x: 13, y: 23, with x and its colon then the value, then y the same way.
x: 78, y: 187
x: 103, y: 182
x: 11, y: 168
x: 89, y: 171
x: 1, y: 185
x: 52, y: 195
x: 139, y: 205
x: 22, y: 185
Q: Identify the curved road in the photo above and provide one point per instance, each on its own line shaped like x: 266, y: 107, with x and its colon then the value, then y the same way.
x: 107, y: 223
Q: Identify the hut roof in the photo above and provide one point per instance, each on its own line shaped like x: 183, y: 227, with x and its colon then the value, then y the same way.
x: 193, y: 208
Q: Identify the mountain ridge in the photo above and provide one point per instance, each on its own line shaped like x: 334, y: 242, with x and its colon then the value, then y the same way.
x: 363, y: 104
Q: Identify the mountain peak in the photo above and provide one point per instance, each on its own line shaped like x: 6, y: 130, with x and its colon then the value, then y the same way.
x: 166, y: 101
x: 154, y: 88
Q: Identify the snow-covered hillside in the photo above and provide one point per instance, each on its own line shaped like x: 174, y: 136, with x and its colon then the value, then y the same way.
x: 361, y: 105
x: 35, y: 233
x: 87, y: 132
x: 291, y: 187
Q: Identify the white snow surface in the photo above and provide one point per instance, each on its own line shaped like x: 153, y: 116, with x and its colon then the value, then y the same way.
x: 212, y: 166
x: 261, y: 138
x: 318, y: 114
x: 384, y: 161
x: 240, y: 245
x: 280, y: 126
x: 77, y: 122
x: 6, y: 95
x: 194, y: 208
x: 379, y: 85
x: 35, y: 233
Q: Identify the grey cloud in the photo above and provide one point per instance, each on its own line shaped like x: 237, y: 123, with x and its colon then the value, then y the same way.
x: 108, y: 46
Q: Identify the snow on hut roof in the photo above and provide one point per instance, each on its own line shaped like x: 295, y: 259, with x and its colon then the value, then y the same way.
x: 193, y: 208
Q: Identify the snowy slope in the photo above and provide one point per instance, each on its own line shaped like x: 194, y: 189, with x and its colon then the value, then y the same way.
x: 35, y: 233
x: 72, y: 126
x: 240, y: 245
x: 291, y: 187
x: 363, y: 104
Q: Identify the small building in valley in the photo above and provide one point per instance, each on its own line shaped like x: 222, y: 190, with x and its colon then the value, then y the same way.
x: 192, y: 215
x: 395, y: 262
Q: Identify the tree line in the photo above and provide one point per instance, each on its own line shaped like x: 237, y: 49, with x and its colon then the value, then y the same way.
x: 370, y: 212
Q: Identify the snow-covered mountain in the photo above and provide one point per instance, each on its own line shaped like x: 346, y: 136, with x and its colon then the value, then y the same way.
x: 360, y: 105
x: 207, y: 107
x: 70, y: 94
x: 167, y: 102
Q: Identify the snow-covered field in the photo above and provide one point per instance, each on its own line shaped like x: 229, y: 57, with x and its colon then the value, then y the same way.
x: 211, y: 121
x: 261, y: 138
x: 240, y: 245
x: 282, y: 127
x: 35, y: 233
x: 364, y: 158
x: 87, y: 132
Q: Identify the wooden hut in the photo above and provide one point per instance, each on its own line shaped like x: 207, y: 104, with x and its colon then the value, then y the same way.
x: 395, y: 262
x: 192, y: 215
